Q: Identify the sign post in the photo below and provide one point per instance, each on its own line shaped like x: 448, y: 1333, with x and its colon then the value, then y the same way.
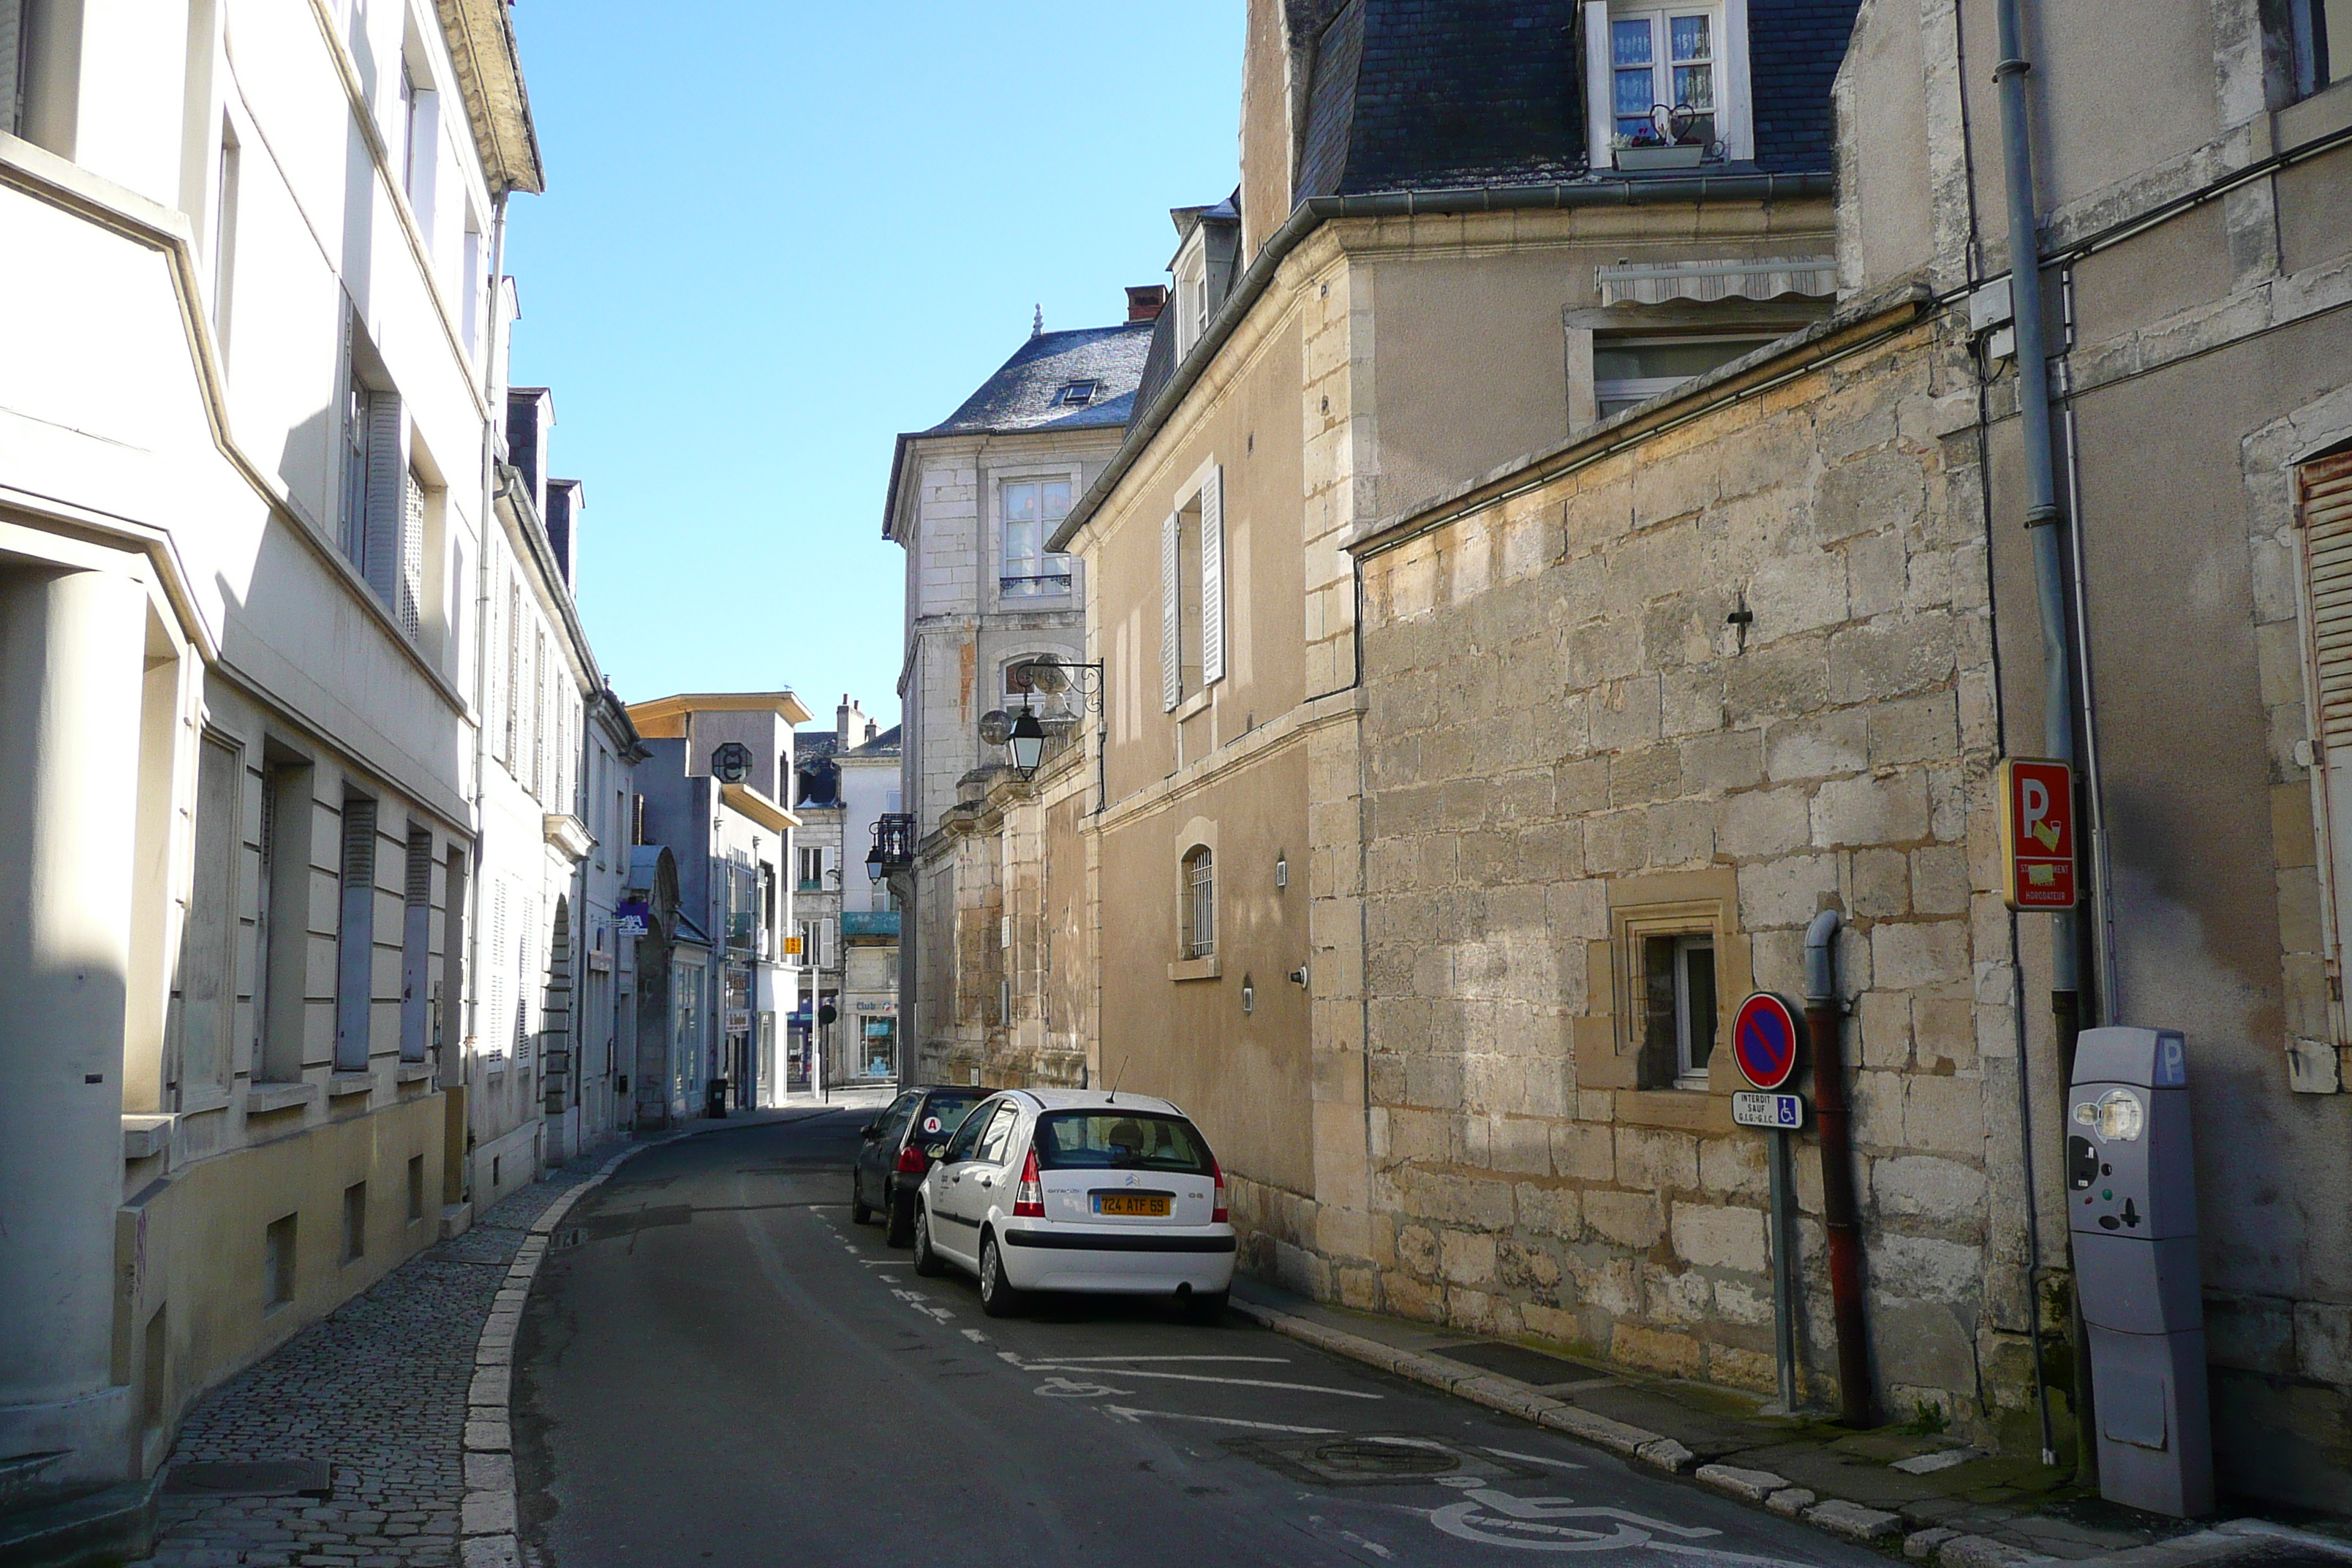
x: 2037, y: 834
x: 1765, y: 1037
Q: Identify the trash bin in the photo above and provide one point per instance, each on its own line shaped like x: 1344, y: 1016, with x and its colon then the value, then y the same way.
x: 715, y: 1099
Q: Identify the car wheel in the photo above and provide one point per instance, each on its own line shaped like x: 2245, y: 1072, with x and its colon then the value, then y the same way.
x: 997, y: 1297
x: 858, y: 1213
x: 898, y: 1216
x: 1205, y: 1306
x: 927, y: 1262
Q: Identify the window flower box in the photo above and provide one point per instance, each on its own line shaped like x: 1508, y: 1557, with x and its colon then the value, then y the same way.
x: 1660, y: 157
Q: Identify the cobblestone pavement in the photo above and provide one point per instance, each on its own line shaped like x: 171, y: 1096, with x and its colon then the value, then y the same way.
x: 378, y: 1391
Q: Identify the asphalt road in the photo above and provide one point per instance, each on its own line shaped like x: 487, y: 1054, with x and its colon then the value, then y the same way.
x: 718, y: 1367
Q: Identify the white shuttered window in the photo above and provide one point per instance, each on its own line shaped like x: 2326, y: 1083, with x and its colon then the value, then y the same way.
x: 2325, y: 512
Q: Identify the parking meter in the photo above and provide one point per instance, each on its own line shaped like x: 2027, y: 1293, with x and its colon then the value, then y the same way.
x: 2131, y: 1205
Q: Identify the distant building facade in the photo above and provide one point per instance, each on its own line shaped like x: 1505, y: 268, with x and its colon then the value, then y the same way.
x: 975, y: 502
x: 718, y: 767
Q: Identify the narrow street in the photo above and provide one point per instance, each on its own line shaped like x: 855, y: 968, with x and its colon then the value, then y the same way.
x: 716, y: 1366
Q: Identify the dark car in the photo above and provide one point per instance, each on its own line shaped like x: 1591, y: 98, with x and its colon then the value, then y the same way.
x: 890, y: 1160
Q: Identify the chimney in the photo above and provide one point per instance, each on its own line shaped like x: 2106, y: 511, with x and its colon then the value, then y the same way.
x: 847, y: 720
x: 531, y: 415
x: 873, y: 729
x: 566, y: 500
x: 1144, y: 304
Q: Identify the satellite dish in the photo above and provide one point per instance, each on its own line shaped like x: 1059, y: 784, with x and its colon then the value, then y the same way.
x: 995, y: 727
x: 1045, y: 673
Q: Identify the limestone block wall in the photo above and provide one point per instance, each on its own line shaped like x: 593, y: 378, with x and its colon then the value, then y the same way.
x: 1713, y: 683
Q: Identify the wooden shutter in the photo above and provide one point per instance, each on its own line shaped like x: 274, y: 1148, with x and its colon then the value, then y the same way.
x: 2325, y: 510
x: 387, y: 477
x: 514, y: 670
x: 1213, y: 578
x: 417, y: 945
x: 496, y: 1028
x: 1171, y: 610
x: 355, y: 937
x: 2327, y: 555
x: 207, y: 1003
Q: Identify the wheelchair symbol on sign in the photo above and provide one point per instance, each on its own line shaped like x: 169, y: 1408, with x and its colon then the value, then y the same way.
x: 1538, y: 1523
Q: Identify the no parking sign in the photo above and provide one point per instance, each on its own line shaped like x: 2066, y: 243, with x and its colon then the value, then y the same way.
x: 1764, y: 1036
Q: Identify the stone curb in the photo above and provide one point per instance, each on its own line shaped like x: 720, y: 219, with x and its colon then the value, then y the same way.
x: 488, y: 1517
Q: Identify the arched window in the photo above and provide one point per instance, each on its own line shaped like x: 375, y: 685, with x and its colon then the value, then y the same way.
x: 1200, y: 906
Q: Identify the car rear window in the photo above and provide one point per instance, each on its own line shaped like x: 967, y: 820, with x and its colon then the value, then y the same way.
x: 943, y: 1113
x: 1119, y: 1140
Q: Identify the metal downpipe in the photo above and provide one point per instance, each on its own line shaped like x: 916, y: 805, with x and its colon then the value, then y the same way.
x: 1841, y: 1212
x: 2042, y: 522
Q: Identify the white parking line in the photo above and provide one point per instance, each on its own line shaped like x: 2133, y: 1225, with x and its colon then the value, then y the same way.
x: 1534, y: 1459
x: 975, y: 1336
x: 1129, y: 1413
x: 1078, y: 1360
x: 1196, y: 1378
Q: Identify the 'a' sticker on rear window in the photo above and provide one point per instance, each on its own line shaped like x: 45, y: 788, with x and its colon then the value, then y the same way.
x: 931, y: 1124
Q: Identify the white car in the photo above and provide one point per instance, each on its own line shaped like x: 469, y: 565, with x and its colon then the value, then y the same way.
x: 1081, y: 1190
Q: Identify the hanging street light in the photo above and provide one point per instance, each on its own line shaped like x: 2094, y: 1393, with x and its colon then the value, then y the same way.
x: 1026, y: 743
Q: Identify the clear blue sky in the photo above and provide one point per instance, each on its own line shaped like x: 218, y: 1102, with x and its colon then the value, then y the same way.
x: 776, y: 235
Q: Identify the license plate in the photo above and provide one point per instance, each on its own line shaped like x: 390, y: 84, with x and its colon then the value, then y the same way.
x: 1125, y: 1203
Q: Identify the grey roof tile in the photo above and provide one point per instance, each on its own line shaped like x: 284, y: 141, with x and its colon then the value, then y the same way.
x: 1024, y: 393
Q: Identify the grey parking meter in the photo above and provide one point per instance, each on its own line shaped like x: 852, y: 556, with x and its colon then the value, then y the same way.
x: 2131, y: 1204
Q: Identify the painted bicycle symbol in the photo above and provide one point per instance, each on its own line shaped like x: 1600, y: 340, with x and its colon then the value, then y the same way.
x: 1538, y: 1524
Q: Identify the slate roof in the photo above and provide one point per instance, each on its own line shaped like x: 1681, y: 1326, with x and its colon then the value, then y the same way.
x: 1023, y: 393
x: 1430, y: 94
x: 885, y: 744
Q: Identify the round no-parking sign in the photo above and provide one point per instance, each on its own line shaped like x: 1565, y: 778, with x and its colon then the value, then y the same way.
x: 1764, y: 1037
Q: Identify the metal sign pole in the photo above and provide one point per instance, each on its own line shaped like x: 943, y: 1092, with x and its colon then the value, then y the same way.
x: 1784, y: 1276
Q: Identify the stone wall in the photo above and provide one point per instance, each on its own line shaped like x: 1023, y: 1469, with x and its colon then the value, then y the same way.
x: 1729, y: 675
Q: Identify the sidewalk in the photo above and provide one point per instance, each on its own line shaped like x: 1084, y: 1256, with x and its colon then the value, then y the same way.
x: 345, y: 1445
x: 1930, y: 1496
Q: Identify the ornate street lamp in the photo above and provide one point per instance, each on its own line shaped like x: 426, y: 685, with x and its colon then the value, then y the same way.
x: 1026, y: 743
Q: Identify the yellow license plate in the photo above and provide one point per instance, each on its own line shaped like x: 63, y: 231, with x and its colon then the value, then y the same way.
x: 1120, y: 1202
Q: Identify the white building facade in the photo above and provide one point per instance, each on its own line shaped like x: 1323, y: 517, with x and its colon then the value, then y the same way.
x: 248, y: 409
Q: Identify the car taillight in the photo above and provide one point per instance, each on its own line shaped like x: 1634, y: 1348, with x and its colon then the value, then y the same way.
x: 1220, y: 1214
x: 1029, y: 1197
x: 912, y: 1161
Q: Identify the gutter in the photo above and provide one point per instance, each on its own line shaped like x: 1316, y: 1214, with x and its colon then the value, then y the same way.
x: 1315, y: 211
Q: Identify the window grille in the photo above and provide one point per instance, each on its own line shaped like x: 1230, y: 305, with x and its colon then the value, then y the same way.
x: 1200, y: 939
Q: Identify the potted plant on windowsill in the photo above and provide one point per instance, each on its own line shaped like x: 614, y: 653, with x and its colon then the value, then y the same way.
x: 1671, y: 140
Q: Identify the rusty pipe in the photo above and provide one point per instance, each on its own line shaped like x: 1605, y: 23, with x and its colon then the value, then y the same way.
x: 1841, y: 1215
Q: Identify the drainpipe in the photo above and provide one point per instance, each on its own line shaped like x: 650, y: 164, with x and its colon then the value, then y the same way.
x: 2042, y: 521
x: 1841, y: 1216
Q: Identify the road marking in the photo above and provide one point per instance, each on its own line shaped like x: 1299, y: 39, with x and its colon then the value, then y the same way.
x: 1129, y: 1413
x: 1533, y: 1458
x: 1196, y: 1378
x: 1537, y: 1524
x: 1063, y: 1388
x: 975, y: 1336
x: 1319, y: 1522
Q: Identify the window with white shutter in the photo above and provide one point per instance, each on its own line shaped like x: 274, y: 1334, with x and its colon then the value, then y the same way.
x: 514, y: 673
x: 411, y: 604
x: 204, y: 999
x: 387, y: 503
x: 1171, y: 610
x: 539, y: 714
x: 355, y: 936
x: 2325, y: 494
x: 497, y: 1027
x: 1213, y: 578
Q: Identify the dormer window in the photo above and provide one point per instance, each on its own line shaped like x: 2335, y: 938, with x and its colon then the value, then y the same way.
x: 1667, y: 83
x: 1192, y: 270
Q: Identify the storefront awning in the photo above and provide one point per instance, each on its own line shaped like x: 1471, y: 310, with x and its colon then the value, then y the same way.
x: 1767, y: 277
